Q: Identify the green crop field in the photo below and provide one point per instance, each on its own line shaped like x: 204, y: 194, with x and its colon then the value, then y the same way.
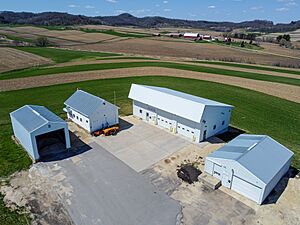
x: 105, y: 66
x: 296, y: 72
x: 63, y: 55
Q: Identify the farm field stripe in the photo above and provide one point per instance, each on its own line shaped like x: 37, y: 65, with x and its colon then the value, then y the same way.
x: 252, y: 111
x: 285, y: 91
x: 271, y: 73
x: 250, y: 67
x: 195, y: 68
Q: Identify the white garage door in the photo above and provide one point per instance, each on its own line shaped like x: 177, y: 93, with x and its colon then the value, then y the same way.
x: 185, y: 130
x: 247, y: 189
x: 164, y: 122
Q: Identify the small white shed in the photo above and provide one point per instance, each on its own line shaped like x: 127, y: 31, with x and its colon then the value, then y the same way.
x: 251, y: 165
x: 91, y: 112
x: 193, y: 117
x: 36, y: 128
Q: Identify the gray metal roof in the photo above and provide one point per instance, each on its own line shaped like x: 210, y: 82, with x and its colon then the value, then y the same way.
x: 260, y: 154
x: 85, y: 103
x: 32, y: 117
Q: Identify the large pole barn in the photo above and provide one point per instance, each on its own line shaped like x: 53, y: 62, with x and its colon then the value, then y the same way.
x: 191, y: 116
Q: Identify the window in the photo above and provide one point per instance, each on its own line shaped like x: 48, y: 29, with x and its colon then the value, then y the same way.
x: 73, y: 115
x: 170, y: 123
x: 183, y: 128
x: 214, y: 127
x: 178, y: 126
x: 76, y: 117
x: 215, y: 172
x: 188, y: 130
x: 141, y: 111
x: 150, y: 117
x: 192, y: 132
x: 158, y: 118
x: 162, y: 120
x: 223, y: 122
x: 80, y: 119
x: 86, y: 121
x: 147, y: 114
x: 166, y: 121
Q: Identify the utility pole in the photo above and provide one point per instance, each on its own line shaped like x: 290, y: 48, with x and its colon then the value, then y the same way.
x: 115, y: 100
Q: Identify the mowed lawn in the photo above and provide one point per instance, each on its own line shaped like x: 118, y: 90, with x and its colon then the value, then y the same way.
x: 105, y: 66
x: 254, y: 112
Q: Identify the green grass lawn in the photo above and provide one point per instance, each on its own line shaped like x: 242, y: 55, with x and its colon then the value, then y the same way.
x: 296, y: 72
x: 117, y: 33
x: 63, y: 55
x: 254, y: 112
x: 8, y: 217
x: 90, y: 67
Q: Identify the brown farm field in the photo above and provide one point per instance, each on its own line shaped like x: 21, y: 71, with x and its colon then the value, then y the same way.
x: 64, y: 37
x: 157, y: 46
x: 204, y: 51
x: 12, y: 59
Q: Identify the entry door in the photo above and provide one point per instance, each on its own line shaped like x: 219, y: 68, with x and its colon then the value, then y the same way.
x: 226, y: 179
x: 204, y: 135
x: 147, y: 116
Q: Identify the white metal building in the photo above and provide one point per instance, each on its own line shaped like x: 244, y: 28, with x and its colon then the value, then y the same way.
x: 35, y: 127
x: 191, y: 35
x: 191, y: 116
x: 251, y: 165
x: 91, y: 112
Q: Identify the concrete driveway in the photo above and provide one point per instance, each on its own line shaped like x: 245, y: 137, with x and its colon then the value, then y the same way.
x: 141, y: 145
x: 105, y: 191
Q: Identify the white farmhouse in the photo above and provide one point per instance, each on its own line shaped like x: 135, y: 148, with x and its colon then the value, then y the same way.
x: 91, y: 112
x: 251, y: 165
x: 191, y: 116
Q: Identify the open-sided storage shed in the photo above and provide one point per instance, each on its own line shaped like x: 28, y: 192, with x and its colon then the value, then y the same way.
x: 35, y: 127
x: 251, y: 165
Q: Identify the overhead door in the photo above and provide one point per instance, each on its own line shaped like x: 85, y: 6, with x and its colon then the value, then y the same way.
x: 245, y: 188
x: 164, y: 122
x: 185, y: 130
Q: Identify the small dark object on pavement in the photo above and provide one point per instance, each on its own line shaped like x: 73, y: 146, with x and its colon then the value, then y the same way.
x: 188, y: 173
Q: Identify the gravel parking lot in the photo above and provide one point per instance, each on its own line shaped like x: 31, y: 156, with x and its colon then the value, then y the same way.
x: 141, y: 145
